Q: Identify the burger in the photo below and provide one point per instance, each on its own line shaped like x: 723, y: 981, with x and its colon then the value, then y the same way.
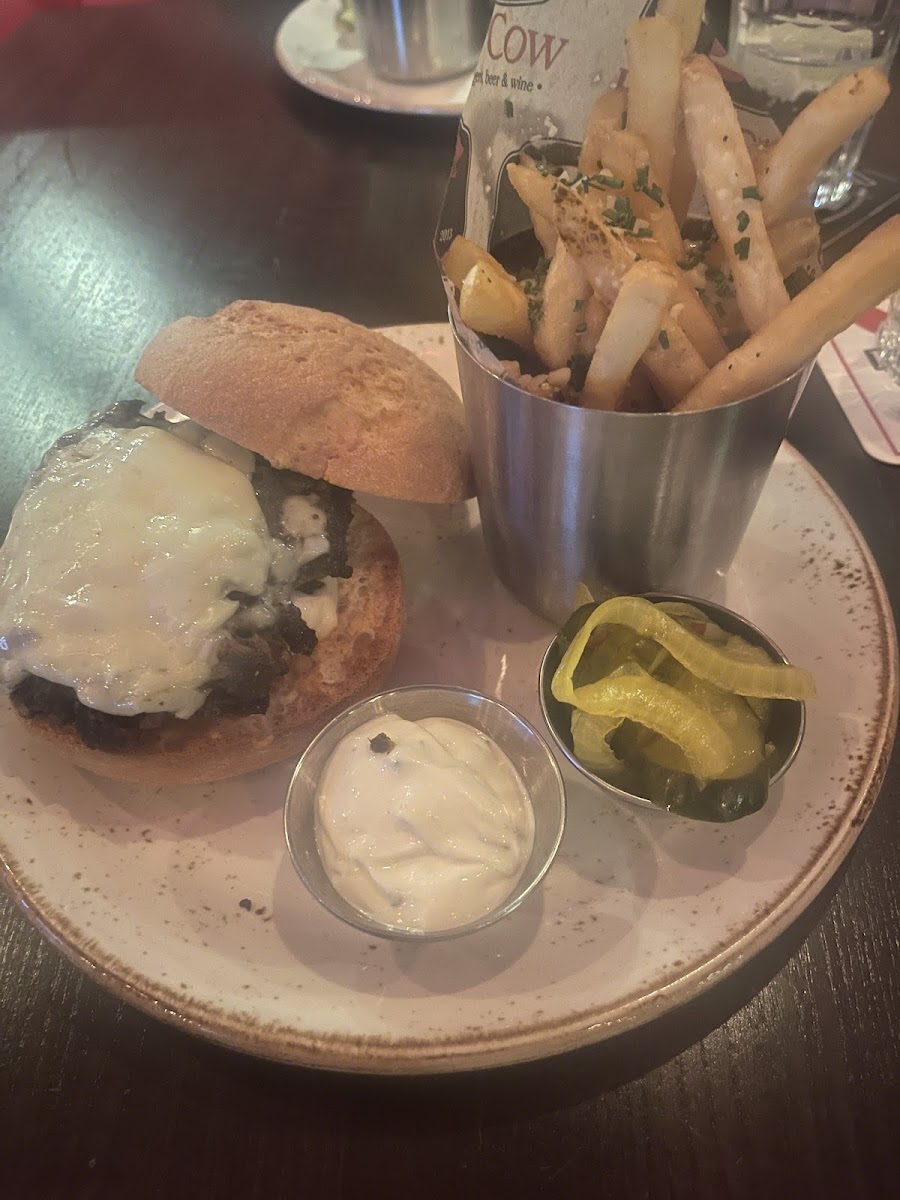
x: 188, y: 587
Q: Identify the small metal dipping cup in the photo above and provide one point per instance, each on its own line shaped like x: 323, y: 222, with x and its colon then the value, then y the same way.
x: 785, y: 729
x: 624, y: 502
x: 415, y: 41
x: 523, y: 746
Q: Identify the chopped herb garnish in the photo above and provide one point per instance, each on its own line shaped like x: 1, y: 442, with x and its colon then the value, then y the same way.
x: 742, y: 248
x: 620, y: 215
x: 582, y: 328
x: 720, y: 281
x: 624, y: 119
x: 642, y: 184
x: 381, y: 744
x: 599, y: 182
x: 641, y: 233
x: 664, y: 339
x: 532, y: 283
x: 720, y: 308
x: 743, y: 220
x: 508, y: 107
x: 751, y: 193
x: 579, y: 305
x: 655, y: 194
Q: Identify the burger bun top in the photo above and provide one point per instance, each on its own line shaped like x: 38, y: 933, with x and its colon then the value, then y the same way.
x: 315, y: 393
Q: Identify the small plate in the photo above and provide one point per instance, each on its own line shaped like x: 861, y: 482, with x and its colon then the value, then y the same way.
x: 312, y: 50
x: 186, y: 904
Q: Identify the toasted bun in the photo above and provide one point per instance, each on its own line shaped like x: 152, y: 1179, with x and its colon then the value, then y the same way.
x: 349, y: 663
x: 314, y: 393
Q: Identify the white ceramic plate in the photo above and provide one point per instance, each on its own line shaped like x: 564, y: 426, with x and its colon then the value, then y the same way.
x: 312, y: 49
x: 186, y: 903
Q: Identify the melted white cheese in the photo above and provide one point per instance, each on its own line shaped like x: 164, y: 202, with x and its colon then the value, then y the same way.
x: 430, y: 835
x: 320, y: 610
x: 116, y: 568
x: 305, y: 521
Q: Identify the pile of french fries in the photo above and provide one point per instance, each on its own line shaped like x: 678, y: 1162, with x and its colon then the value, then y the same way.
x: 648, y: 315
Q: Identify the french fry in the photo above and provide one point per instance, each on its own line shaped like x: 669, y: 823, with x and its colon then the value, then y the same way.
x: 654, y: 58
x: 634, y: 322
x: 625, y: 156
x: 548, y: 386
x: 596, y: 314
x: 684, y: 177
x: 855, y: 283
x: 694, y: 318
x: 462, y: 256
x: 687, y: 16
x: 601, y: 252
x: 542, y: 193
x: 723, y: 165
x: 607, y: 112
x: 815, y: 133
x: 536, y: 190
x: 545, y: 234
x: 794, y: 243
x: 491, y: 302
x: 561, y: 315
x: 604, y: 259
x: 673, y: 364
x: 640, y: 394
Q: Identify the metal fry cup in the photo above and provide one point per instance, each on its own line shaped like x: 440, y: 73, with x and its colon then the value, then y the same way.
x: 416, y: 41
x: 624, y: 502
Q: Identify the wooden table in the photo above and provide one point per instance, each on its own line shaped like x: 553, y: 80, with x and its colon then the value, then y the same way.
x: 152, y: 163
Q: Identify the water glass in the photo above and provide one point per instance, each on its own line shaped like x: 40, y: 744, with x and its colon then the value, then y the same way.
x: 887, y: 346
x: 790, y: 51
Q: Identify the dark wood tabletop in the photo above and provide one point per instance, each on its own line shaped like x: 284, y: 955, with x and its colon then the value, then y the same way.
x: 154, y: 162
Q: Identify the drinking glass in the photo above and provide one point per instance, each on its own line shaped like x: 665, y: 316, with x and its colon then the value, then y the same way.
x: 790, y: 51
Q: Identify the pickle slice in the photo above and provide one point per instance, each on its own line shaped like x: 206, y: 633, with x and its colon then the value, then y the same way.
x: 715, y: 665
x: 694, y: 620
x: 589, y: 743
x: 718, y: 800
x: 663, y: 709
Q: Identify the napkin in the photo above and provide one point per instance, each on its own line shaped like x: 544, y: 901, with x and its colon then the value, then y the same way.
x: 868, y: 394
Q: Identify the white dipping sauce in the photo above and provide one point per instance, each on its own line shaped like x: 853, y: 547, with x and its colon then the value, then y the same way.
x: 432, y: 834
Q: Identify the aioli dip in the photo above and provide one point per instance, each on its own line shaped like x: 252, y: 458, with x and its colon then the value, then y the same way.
x: 422, y: 825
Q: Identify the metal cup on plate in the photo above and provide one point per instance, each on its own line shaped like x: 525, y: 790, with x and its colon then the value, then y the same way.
x: 415, y: 41
x: 623, y: 502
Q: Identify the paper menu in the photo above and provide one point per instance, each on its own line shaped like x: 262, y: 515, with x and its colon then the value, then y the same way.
x: 542, y: 65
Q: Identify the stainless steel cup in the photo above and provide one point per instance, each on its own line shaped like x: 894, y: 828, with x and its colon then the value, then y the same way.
x: 624, y: 502
x: 413, y: 41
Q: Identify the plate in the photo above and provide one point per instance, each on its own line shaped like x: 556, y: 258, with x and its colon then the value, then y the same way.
x: 312, y: 50
x: 186, y: 904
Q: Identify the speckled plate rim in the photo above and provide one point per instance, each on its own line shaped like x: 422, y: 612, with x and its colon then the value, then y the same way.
x: 539, y: 1039
x: 325, y: 83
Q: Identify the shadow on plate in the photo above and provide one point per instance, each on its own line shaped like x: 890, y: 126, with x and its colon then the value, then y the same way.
x: 544, y: 938
x: 434, y: 1103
